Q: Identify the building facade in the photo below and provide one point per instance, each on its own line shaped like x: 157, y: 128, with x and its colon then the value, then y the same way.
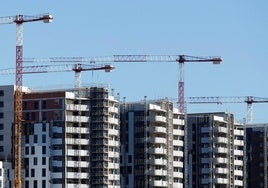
x: 257, y: 155
x: 70, y: 138
x: 215, y: 151
x: 152, y: 134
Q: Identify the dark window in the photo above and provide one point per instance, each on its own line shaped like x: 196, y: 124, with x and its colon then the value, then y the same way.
x: 32, y: 173
x: 1, y: 92
x: 43, y: 172
x: 32, y: 150
x: 26, y: 150
x: 36, y: 105
x: 1, y: 104
x: 35, y: 183
x: 43, y: 161
x: 1, y: 115
x: 44, y: 104
x: 43, y: 149
x: 44, y: 127
x: 1, y: 126
x: 43, y: 138
x: 35, y: 139
x: 43, y: 183
x: 24, y: 105
x: 1, y: 137
x: 44, y: 116
x: 27, y: 140
x: 35, y: 161
x: 1, y: 148
x: 26, y: 173
x: 26, y: 184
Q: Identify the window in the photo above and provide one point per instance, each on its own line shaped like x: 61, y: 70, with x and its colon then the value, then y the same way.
x: 32, y: 150
x: 35, y: 183
x: 1, y: 92
x: 1, y: 137
x: 24, y: 105
x: 1, y: 104
x: 44, y: 104
x: 1, y: 126
x: 35, y: 138
x: 35, y: 161
x: 26, y: 184
x: 43, y: 149
x: 44, y: 127
x: 1, y: 115
x: 43, y: 161
x: 36, y: 105
x: 44, y: 116
x: 26, y: 173
x: 26, y: 150
x: 43, y: 138
x: 43, y: 183
x: 43, y: 172
x: 32, y: 173
x: 1, y: 148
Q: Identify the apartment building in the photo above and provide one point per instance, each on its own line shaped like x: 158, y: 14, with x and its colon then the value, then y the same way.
x: 152, y: 134
x: 70, y: 137
x: 215, y: 145
x: 257, y: 155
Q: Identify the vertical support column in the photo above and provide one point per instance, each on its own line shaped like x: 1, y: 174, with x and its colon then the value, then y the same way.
x: 18, y: 105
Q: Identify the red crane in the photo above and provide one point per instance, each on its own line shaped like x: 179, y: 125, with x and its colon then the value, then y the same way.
x: 232, y: 99
x: 181, y: 59
x: 19, y: 20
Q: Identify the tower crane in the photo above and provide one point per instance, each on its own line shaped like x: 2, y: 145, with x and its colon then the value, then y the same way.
x: 232, y: 99
x: 19, y: 20
x: 77, y: 68
x: 181, y: 59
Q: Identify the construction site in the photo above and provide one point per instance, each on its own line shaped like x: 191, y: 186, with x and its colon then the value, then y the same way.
x: 88, y: 135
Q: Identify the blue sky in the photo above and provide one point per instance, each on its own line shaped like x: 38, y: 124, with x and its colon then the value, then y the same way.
x: 235, y: 30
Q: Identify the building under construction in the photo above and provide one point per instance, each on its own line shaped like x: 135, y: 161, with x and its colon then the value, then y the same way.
x: 70, y: 137
x: 215, y: 151
x: 151, y: 144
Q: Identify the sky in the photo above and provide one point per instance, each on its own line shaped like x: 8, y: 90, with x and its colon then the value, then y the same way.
x: 235, y: 30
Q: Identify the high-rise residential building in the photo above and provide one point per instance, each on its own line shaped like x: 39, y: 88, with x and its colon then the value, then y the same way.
x: 70, y: 137
x: 215, y: 145
x: 152, y: 134
x: 257, y: 155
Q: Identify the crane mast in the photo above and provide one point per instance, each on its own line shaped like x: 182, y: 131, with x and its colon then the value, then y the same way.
x: 19, y: 20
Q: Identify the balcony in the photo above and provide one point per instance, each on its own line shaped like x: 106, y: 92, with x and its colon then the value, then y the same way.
x: 114, y: 132
x: 220, y: 160
x: 178, y: 174
x: 76, y: 107
x: 177, y: 153
x: 157, y: 172
x: 114, y: 154
x: 77, y: 141
x: 71, y: 152
x: 83, y: 164
x: 113, y: 121
x: 238, y: 152
x: 238, y: 162
x: 238, y: 173
x: 113, y: 110
x: 178, y: 122
x: 221, y: 140
x: 159, y: 151
x: 114, y: 177
x: 221, y: 170
x: 75, y: 175
x: 220, y: 150
x: 157, y: 130
x: 221, y: 130
x: 157, y: 140
x: 220, y: 180
x: 78, y: 130
x: 157, y: 119
x: 239, y: 132
x: 178, y: 143
x: 158, y: 183
x: 161, y: 162
x: 83, y: 119
x: 178, y: 132
x: 239, y: 142
x: 238, y: 183
x: 113, y: 165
